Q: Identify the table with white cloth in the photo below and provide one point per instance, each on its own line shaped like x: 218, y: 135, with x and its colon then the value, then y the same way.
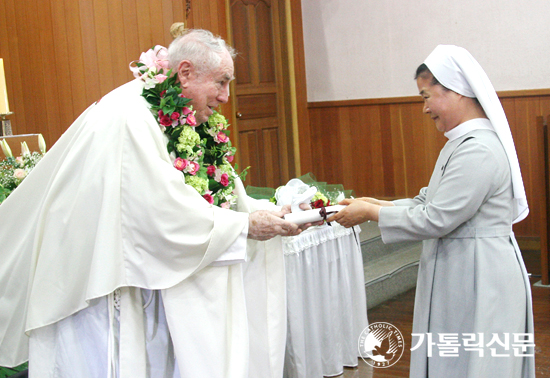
x: 326, y: 303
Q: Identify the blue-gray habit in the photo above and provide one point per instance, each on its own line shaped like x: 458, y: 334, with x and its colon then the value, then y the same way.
x: 472, y: 278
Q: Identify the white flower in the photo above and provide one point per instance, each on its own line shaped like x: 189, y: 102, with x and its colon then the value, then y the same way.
x: 150, y: 82
x: 25, y: 149
x: 6, y: 148
x: 218, y: 174
x: 19, y: 174
x: 41, y: 144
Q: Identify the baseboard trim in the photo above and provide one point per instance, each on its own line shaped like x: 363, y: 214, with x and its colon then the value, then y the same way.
x: 528, y: 243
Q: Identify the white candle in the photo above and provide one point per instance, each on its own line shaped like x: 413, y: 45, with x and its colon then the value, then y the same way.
x: 4, y: 106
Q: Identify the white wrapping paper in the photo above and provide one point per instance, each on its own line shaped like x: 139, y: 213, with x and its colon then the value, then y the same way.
x: 314, y: 215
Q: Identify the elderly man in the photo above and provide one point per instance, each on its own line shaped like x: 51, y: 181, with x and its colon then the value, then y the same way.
x: 111, y: 265
x: 472, y: 284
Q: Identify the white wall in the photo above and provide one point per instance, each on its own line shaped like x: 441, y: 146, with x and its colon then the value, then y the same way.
x: 358, y: 49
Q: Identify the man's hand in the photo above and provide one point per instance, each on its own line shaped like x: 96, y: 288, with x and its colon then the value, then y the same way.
x: 356, y: 212
x: 304, y: 206
x: 264, y: 225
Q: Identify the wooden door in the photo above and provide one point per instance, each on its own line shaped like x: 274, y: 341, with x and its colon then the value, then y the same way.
x: 261, y: 122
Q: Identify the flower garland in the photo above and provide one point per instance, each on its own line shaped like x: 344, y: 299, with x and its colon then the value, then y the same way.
x: 202, y: 153
x: 13, y: 170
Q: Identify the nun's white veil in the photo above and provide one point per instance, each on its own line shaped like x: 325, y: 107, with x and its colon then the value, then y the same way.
x: 456, y: 69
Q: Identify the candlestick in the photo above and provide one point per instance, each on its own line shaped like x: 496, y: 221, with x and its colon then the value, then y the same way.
x: 5, y: 130
x: 4, y: 105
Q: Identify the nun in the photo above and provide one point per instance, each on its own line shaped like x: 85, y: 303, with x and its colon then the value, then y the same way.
x: 473, y: 310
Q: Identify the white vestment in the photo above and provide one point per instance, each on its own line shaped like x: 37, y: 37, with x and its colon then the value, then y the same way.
x: 105, y: 209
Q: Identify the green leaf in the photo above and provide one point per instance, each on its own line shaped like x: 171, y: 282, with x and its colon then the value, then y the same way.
x: 171, y: 146
x: 8, y: 372
x: 175, y: 133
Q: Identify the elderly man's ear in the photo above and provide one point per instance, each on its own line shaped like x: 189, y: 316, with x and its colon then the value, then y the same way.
x: 185, y: 72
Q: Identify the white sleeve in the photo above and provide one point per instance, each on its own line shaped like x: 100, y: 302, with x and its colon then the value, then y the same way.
x: 236, y: 253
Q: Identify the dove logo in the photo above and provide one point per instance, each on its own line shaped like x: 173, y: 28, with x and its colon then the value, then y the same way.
x: 381, y: 345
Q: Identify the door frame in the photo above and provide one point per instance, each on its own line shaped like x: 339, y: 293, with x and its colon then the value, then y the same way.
x: 290, y: 70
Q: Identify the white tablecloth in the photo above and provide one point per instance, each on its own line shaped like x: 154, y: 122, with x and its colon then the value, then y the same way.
x: 326, y: 302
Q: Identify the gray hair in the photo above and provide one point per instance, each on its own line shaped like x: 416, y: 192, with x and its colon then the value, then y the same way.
x: 201, y: 48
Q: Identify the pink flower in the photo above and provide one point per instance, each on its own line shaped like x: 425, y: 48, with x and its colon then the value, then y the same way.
x: 19, y: 174
x: 186, y: 110
x: 225, y: 205
x: 211, y: 170
x: 180, y: 164
x: 165, y: 121
x: 163, y: 63
x: 193, y: 168
x: 175, y: 115
x: 155, y: 58
x: 191, y: 121
x: 221, y: 138
x: 230, y: 158
x: 137, y: 71
x: 160, y: 78
x: 209, y: 198
x: 224, y: 180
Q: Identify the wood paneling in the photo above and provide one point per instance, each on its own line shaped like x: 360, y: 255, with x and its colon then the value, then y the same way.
x: 206, y: 14
x: 542, y: 181
x: 259, y: 106
x: 387, y: 148
x: 259, y: 89
x: 15, y: 141
x: 303, y: 160
x: 60, y: 56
